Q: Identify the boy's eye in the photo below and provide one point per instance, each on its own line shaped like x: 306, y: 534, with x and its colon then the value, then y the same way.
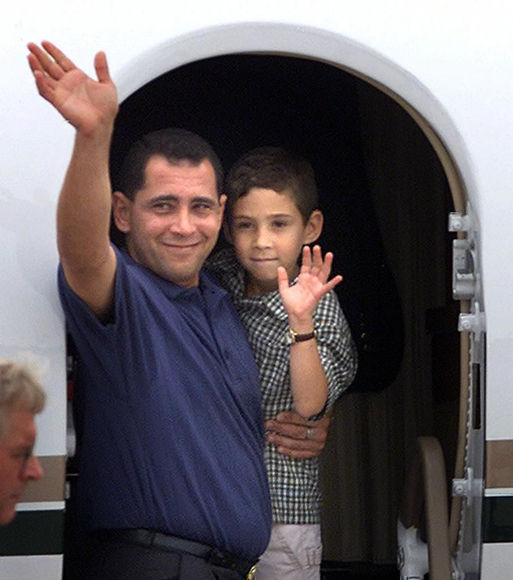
x: 243, y: 225
x: 279, y: 224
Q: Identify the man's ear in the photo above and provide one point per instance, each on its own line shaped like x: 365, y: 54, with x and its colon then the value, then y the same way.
x: 313, y: 226
x: 121, y: 211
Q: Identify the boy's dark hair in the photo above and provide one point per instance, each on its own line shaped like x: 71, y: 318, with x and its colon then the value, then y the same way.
x: 273, y: 168
x: 175, y: 145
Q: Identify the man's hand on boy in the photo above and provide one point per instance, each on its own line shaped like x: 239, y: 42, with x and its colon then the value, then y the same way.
x: 301, y: 299
x: 297, y: 437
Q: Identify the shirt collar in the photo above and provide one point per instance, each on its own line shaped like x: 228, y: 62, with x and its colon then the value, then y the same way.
x: 234, y: 280
x: 207, y: 283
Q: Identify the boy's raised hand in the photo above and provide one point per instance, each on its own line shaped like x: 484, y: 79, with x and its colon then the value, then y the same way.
x: 301, y: 299
x: 84, y: 102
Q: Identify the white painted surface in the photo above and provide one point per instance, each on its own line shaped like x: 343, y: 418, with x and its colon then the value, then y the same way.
x: 29, y: 506
x: 496, y: 561
x: 451, y: 60
x: 498, y: 492
x: 30, y: 567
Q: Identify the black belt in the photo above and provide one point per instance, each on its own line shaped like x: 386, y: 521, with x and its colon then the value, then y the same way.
x: 152, y: 539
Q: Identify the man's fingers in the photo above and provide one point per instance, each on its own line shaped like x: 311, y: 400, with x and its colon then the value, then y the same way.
x: 58, y: 56
x: 34, y: 64
x: 290, y: 430
x: 49, y: 60
x: 38, y: 59
x: 101, y: 67
x: 292, y: 444
x: 296, y: 433
x: 297, y: 437
x: 45, y: 84
x: 289, y: 420
x: 290, y: 417
x: 45, y: 65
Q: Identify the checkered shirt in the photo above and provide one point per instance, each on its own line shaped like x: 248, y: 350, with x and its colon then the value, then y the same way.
x: 294, y: 483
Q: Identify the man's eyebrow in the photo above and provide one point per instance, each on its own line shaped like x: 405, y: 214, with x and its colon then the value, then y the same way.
x: 205, y: 199
x: 163, y: 197
x: 176, y: 198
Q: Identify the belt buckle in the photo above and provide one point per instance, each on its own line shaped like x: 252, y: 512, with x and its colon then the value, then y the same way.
x: 251, y: 573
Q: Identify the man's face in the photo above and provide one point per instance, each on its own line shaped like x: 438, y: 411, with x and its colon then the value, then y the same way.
x: 173, y: 222
x: 17, y: 464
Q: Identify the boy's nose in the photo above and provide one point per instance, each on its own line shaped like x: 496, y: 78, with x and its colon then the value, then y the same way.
x: 262, y: 238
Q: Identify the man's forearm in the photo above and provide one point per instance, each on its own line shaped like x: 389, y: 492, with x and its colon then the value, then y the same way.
x: 83, y: 211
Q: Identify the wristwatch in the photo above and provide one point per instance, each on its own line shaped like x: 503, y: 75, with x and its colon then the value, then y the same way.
x: 294, y: 337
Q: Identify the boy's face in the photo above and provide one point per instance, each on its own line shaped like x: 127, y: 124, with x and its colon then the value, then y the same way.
x: 267, y: 231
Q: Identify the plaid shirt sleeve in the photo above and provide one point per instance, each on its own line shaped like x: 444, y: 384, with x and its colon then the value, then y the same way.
x: 336, y: 347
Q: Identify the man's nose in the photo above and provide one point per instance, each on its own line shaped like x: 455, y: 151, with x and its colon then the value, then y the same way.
x: 33, y: 469
x: 183, y: 222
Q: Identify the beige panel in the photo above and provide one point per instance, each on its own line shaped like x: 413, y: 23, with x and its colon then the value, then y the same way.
x: 51, y: 486
x: 499, y: 463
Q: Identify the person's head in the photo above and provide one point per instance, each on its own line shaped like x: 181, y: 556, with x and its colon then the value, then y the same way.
x: 272, y: 211
x: 21, y: 398
x: 169, y: 204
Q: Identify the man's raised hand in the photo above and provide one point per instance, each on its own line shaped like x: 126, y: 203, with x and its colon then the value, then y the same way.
x: 86, y: 103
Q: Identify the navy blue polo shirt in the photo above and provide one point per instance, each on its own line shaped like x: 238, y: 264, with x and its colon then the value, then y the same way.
x: 169, y: 413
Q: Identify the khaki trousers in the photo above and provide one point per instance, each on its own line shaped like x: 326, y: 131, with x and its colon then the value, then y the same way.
x: 294, y: 553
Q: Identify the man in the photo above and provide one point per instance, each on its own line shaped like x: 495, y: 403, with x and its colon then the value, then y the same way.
x: 20, y: 399
x: 172, y: 481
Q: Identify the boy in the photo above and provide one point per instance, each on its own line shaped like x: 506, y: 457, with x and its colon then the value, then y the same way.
x: 300, y: 338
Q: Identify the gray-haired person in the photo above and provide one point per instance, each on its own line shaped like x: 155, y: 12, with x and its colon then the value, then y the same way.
x: 21, y: 398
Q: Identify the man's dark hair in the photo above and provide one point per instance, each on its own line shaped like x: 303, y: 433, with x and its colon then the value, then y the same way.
x: 274, y: 168
x: 175, y: 145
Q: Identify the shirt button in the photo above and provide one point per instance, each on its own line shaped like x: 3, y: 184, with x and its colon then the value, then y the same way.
x: 226, y: 354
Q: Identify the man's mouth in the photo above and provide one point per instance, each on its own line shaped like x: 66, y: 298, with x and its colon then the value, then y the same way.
x: 178, y: 247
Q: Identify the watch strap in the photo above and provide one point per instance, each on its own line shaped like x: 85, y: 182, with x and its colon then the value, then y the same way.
x: 294, y: 337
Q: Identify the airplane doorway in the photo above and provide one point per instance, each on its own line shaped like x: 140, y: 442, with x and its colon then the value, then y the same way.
x: 386, y: 198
